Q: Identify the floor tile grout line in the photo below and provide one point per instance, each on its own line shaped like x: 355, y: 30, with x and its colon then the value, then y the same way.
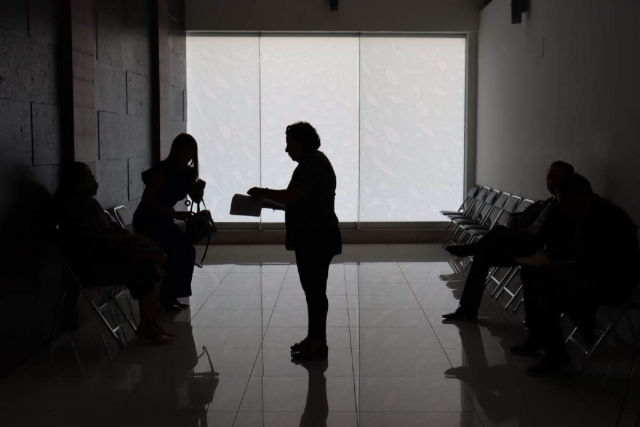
x: 260, y: 348
x: 475, y: 410
x: 205, y: 302
x: 356, y: 379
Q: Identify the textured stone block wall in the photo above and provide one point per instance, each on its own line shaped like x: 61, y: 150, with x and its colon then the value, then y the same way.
x: 76, y: 83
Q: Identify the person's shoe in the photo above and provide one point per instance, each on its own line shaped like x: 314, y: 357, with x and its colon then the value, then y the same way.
x: 181, y: 305
x: 550, y: 364
x: 312, y: 351
x: 299, y: 345
x: 171, y: 308
x: 530, y: 348
x: 461, y: 314
x: 462, y: 251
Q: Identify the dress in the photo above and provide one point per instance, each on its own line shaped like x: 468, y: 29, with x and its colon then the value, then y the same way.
x: 163, y: 230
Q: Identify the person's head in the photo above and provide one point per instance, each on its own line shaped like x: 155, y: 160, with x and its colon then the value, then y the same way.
x: 575, y: 195
x: 302, y: 140
x: 556, y: 173
x: 77, y: 180
x: 184, y: 151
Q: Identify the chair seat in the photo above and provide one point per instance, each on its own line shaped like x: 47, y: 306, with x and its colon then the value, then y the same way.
x: 473, y: 225
x: 479, y: 231
x: 457, y: 215
x: 461, y: 221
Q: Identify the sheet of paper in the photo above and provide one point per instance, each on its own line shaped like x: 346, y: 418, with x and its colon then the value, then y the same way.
x: 245, y: 206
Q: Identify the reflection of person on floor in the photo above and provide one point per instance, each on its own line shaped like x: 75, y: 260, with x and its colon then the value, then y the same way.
x: 603, y: 270
x: 540, y: 224
x: 102, y: 253
x: 312, y: 229
x: 488, y: 384
x: 316, y: 410
x: 166, y: 184
x: 188, y: 375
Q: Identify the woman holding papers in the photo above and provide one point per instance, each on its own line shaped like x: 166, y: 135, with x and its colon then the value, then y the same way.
x: 312, y: 229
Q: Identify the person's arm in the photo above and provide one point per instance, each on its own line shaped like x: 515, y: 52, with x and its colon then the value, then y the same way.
x: 150, y: 199
x: 296, y: 191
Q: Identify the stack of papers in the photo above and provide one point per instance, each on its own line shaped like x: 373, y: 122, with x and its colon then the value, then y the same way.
x: 248, y: 206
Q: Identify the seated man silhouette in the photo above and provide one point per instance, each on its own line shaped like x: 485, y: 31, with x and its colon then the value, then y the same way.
x: 603, y: 270
x: 102, y: 253
x: 538, y: 225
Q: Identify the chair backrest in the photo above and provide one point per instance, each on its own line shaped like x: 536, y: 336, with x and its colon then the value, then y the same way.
x: 496, y: 210
x: 524, y: 205
x: 112, y: 217
x: 512, y: 204
x: 488, y: 206
x: 509, y: 207
x: 476, y: 203
x: 469, y: 199
x: 124, y: 216
x: 473, y: 191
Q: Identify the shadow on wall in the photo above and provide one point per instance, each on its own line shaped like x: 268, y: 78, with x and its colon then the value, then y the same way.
x: 31, y: 270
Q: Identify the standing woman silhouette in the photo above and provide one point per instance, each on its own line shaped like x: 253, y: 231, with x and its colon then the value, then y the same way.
x: 166, y: 184
x: 312, y: 229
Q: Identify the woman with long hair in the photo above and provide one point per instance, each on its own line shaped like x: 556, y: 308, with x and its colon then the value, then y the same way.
x: 312, y: 229
x: 166, y: 184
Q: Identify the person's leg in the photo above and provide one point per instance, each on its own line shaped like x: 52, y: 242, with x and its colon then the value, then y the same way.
x: 474, y: 286
x: 557, y: 287
x: 179, y: 265
x: 313, y: 268
x: 534, y: 282
x: 319, y: 302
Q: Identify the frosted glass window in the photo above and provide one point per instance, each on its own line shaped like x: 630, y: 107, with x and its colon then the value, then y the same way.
x: 223, y: 88
x: 412, y: 112
x: 313, y: 79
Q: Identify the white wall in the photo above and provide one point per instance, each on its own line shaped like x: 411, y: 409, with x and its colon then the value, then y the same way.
x: 565, y: 84
x: 314, y: 15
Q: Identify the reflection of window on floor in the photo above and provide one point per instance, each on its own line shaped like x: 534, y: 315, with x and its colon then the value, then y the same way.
x: 390, y: 112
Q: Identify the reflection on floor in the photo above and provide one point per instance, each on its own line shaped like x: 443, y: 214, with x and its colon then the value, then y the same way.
x: 392, y: 362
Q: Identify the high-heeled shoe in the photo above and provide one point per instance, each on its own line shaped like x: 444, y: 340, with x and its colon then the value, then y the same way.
x: 312, y: 352
x: 181, y: 305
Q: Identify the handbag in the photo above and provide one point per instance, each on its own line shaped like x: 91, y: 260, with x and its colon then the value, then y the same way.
x: 199, y: 226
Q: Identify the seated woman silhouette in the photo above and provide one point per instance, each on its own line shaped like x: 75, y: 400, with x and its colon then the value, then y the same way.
x: 312, y: 229
x: 102, y: 253
x: 167, y: 184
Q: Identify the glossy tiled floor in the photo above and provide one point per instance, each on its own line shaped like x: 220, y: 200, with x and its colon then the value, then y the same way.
x: 392, y: 362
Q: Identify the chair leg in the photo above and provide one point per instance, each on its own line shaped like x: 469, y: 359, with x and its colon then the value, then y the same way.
x: 604, y: 335
x: 103, y: 319
x: 121, y: 310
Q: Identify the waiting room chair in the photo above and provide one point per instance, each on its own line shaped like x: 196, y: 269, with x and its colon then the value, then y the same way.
x: 107, y: 298
x: 624, y: 307
x: 471, y: 210
x: 480, y: 217
x: 124, y: 217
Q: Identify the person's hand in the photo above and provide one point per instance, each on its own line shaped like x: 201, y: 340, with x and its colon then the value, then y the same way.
x: 257, y: 193
x: 183, y: 215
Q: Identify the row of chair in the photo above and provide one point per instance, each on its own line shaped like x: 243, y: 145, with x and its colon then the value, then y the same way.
x: 483, y: 209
